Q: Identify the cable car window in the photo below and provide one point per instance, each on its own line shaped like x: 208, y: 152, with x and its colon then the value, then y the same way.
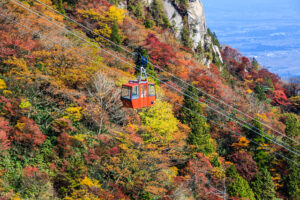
x: 135, y: 92
x: 151, y: 91
x: 145, y: 90
x: 126, y: 92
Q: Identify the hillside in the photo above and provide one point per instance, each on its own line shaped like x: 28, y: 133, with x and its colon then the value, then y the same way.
x: 222, y: 127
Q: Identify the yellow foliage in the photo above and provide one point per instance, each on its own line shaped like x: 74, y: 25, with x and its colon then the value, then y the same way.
x: 132, y: 126
x: 295, y: 100
x: 20, y: 125
x: 7, y: 92
x: 228, y: 163
x: 104, y: 30
x: 2, y: 84
x: 159, y: 122
x: 262, y: 116
x: 65, y: 66
x: 243, y: 142
x: 90, y: 13
x: 217, y: 172
x: 24, y: 104
x: 80, y: 137
x: 18, y: 68
x: 82, y: 195
x: 73, y: 113
x: 249, y: 91
x: 105, y: 21
x: 90, y: 182
x: 116, y: 14
x: 171, y: 173
x: 123, y: 146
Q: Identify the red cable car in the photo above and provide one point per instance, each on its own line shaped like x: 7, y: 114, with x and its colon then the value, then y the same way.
x: 138, y: 93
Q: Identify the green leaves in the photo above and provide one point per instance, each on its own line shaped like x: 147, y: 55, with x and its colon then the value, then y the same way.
x: 237, y: 186
x: 263, y: 186
x: 190, y: 114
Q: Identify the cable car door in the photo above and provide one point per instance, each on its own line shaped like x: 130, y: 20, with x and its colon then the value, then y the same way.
x: 143, y: 95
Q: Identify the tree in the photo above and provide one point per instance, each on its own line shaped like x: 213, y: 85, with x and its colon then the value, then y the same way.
x: 190, y: 114
x: 185, y: 34
x: 260, y: 93
x: 137, y: 8
x: 279, y: 98
x: 237, y: 186
x: 60, y: 6
x: 255, y: 64
x: 107, y: 100
x: 115, y: 36
x: 295, y: 104
x: 292, y: 182
x: 292, y: 86
x: 158, y: 13
x: 260, y: 156
x: 159, y: 122
x: 263, y: 186
x: 245, y: 165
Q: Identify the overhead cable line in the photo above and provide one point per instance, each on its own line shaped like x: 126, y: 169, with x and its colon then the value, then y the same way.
x: 170, y: 86
x: 230, y: 118
x: 101, y: 65
x: 182, y: 81
x: 237, y: 120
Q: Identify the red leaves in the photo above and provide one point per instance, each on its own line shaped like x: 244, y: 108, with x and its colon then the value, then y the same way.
x: 279, y: 98
x: 161, y: 53
x: 64, y: 142
x: 114, y: 150
x: 62, y: 125
x: 4, y: 131
x: 91, y: 156
x: 6, y: 106
x: 28, y: 134
x: 245, y: 165
x: 11, y: 45
x: 30, y: 171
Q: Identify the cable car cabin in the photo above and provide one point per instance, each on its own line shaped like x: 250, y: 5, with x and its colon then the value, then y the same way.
x: 138, y: 94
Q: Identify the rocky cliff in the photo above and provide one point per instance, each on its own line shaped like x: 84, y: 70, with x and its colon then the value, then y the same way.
x: 194, y: 14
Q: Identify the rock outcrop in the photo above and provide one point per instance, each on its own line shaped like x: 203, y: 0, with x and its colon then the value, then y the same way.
x: 196, y: 22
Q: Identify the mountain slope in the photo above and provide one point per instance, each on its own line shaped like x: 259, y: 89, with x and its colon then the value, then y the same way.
x: 65, y: 135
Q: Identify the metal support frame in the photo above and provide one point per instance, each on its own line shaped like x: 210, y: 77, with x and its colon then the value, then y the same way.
x: 143, y: 75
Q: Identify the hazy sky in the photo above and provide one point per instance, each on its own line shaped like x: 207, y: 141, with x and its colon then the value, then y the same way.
x: 266, y: 29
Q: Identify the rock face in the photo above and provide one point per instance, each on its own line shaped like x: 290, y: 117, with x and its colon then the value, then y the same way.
x: 196, y: 22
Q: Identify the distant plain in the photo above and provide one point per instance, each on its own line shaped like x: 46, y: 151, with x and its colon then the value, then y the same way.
x: 268, y: 30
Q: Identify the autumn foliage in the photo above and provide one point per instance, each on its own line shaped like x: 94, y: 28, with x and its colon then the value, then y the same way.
x: 65, y: 135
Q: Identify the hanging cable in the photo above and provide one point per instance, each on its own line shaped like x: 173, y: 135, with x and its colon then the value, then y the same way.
x: 170, y: 86
x: 101, y: 65
x: 230, y: 118
x: 182, y: 81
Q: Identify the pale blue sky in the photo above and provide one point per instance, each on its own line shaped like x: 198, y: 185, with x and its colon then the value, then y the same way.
x: 266, y: 29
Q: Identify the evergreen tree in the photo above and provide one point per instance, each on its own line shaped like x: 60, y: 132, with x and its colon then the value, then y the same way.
x: 261, y: 158
x: 260, y: 93
x: 199, y: 135
x: 292, y: 181
x: 59, y: 5
x: 137, y: 8
x: 115, y: 36
x: 255, y: 64
x: 263, y: 186
x: 158, y: 13
x: 237, y: 186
